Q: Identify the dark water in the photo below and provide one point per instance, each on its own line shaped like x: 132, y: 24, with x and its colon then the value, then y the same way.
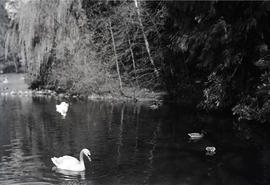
x: 130, y: 144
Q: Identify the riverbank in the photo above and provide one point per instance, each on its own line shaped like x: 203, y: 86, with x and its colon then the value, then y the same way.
x: 13, y: 84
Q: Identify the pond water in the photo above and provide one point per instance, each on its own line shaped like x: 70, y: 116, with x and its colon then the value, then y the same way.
x: 130, y: 144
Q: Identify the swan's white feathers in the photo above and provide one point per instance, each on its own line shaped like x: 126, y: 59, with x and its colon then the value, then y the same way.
x: 71, y: 163
x: 67, y: 159
x: 62, y: 108
x: 68, y: 162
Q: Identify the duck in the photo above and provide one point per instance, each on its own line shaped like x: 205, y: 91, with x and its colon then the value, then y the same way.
x: 5, y: 81
x: 155, y: 105
x: 13, y: 92
x: 62, y: 108
x: 71, y: 163
x: 196, y: 136
x: 210, y: 150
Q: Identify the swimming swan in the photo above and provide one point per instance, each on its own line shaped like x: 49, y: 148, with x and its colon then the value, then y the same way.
x: 62, y: 108
x: 71, y: 163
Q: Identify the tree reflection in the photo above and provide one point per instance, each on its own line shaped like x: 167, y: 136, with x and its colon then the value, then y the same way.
x: 120, y: 138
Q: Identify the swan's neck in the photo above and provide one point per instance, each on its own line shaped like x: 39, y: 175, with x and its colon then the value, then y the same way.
x: 81, y: 158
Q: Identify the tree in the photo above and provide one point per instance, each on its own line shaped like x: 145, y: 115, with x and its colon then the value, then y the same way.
x: 3, y: 28
x: 221, y: 41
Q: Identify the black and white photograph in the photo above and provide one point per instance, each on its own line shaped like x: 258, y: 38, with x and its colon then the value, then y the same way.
x: 134, y: 92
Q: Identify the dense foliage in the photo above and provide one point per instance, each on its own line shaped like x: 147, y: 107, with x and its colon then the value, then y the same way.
x: 225, y: 44
x: 217, y: 49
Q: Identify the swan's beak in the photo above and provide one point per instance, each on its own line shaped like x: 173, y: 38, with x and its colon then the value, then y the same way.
x: 89, y: 158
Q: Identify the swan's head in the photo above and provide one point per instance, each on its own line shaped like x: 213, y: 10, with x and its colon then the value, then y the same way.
x: 87, y: 153
x: 64, y: 104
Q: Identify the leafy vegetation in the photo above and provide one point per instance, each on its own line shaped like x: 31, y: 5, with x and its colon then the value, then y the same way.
x: 215, y: 50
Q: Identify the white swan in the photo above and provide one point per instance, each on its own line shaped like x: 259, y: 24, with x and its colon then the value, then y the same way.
x: 71, y: 163
x: 62, y: 108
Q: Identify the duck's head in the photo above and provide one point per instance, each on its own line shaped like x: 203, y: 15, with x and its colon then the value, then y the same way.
x: 87, y: 153
x: 203, y: 132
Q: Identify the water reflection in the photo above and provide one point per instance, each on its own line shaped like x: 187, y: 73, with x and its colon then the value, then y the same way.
x: 70, y: 175
x: 130, y: 144
x: 119, y: 142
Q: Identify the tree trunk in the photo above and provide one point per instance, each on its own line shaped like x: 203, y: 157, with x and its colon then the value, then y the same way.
x: 145, y: 38
x: 14, y: 58
x: 115, y: 55
x: 133, y: 61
